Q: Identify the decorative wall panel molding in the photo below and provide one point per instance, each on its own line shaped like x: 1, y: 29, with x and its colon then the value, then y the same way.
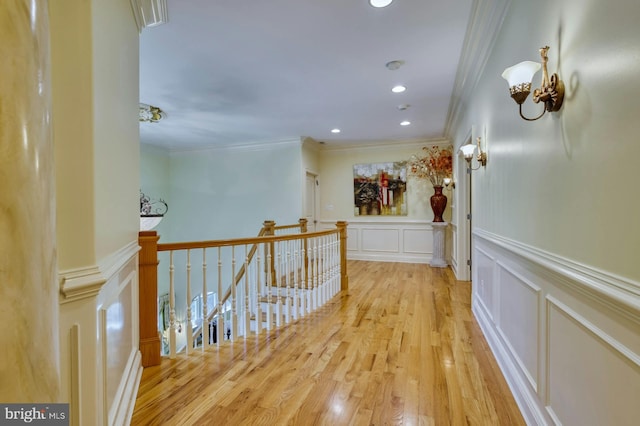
x: 573, y: 343
x: 619, y: 292
x: 101, y: 374
x: 566, y: 335
x: 408, y: 241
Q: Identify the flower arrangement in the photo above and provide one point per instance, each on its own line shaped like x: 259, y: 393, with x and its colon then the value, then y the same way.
x: 435, y: 163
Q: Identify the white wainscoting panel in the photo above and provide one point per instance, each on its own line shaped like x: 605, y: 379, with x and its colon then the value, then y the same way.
x: 390, y: 240
x: 566, y: 336
x: 380, y: 240
x: 518, y: 320
x: 119, y: 340
x: 612, y: 387
x: 453, y: 243
x: 100, y: 376
x: 485, y: 281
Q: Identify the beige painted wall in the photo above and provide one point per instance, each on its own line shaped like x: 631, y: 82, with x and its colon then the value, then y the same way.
x: 116, y: 126
x: 567, y: 183
x: 72, y: 118
x: 336, y: 189
x: 95, y: 96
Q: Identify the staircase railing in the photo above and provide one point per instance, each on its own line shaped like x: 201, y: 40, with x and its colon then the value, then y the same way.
x: 284, y: 273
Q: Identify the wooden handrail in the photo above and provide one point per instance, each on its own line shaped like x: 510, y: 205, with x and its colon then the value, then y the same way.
x: 148, y: 264
x: 242, y: 241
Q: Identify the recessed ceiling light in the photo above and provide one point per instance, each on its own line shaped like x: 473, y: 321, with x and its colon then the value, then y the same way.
x: 380, y: 3
x: 402, y: 107
x: 335, y: 130
x: 405, y: 123
x: 398, y: 89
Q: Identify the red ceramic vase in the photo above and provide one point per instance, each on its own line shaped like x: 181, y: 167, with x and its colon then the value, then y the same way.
x: 438, y: 204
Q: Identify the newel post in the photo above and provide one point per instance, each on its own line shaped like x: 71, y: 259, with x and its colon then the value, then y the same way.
x: 303, y: 225
x: 148, y: 298
x: 344, y: 278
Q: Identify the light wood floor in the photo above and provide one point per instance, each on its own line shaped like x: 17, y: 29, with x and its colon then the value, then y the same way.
x: 402, y: 347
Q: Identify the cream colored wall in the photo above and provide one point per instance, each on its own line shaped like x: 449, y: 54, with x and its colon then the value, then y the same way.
x: 567, y: 183
x: 310, y: 156
x: 72, y: 121
x: 116, y: 128
x: 95, y: 96
x: 336, y: 188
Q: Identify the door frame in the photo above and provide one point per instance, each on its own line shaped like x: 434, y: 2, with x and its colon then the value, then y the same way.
x: 316, y: 199
x: 464, y: 215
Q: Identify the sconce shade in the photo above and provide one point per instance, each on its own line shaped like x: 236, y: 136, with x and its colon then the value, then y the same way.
x: 468, y: 150
x: 521, y: 73
x: 519, y: 78
x: 147, y: 223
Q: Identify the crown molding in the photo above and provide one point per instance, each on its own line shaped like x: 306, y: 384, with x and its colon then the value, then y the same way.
x: 484, y: 25
x: 247, y: 146
x: 385, y: 145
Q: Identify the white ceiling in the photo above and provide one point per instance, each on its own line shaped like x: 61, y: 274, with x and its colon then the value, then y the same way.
x: 259, y: 71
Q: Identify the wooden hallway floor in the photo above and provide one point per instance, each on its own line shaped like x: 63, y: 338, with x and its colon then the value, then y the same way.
x: 401, y: 347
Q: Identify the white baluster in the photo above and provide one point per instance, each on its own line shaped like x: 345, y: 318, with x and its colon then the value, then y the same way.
x: 205, y: 310
x: 269, y: 287
x: 303, y: 279
x: 220, y: 323
x: 234, y: 310
x: 321, y: 278
x: 172, y: 309
x: 287, y: 281
x: 187, y: 326
x: 247, y: 311
x: 336, y: 253
x: 258, y: 294
x: 296, y: 279
x: 335, y: 267
x: 278, y: 285
x: 316, y: 273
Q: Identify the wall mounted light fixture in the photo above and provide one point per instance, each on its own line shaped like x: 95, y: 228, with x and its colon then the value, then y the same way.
x: 551, y: 91
x: 151, y: 212
x: 468, y: 150
x: 449, y: 183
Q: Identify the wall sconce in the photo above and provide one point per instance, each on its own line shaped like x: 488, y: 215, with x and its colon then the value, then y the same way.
x: 468, y: 150
x: 151, y: 212
x: 449, y: 183
x: 551, y: 92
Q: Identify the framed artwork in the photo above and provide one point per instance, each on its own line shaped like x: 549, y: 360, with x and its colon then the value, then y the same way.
x: 379, y: 189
